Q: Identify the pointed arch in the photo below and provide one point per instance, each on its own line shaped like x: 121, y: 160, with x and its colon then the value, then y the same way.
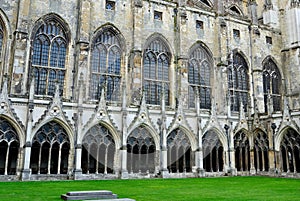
x: 234, y: 9
x: 156, y: 69
x: 50, y: 45
x: 9, y: 148
x: 99, y: 150
x: 51, y: 147
x: 289, y: 151
x: 179, y: 150
x: 141, y: 151
x: 200, y: 72
x: 242, y: 150
x: 272, y: 84
x: 261, y: 150
x: 107, y: 55
x: 238, y: 80
x: 213, y: 151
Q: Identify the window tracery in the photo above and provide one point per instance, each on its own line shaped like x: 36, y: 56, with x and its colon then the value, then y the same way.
x: 199, y: 77
x: 49, y: 57
x: 179, y: 152
x: 98, y: 151
x: 50, y: 150
x: 261, y: 149
x: 238, y: 82
x: 272, y: 85
x: 242, y: 151
x: 9, y: 148
x: 156, y: 72
x: 140, y: 151
x: 106, y: 66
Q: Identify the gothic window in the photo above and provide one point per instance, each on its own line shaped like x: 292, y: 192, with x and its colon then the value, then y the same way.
x: 156, y: 72
x: 49, y: 57
x: 106, y: 66
x: 179, y: 152
x: 261, y: 149
x: 9, y: 148
x: 272, y: 85
x: 140, y: 151
x: 212, y: 152
x: 98, y: 151
x: 238, y: 82
x: 290, y: 152
x: 235, y: 10
x: 242, y: 151
x: 50, y: 150
x: 199, y: 77
x: 205, y: 2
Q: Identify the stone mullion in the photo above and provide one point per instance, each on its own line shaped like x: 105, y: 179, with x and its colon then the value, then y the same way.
x: 217, y: 159
x: 40, y: 158
x: 105, y: 162
x: 6, y: 159
x: 246, y: 159
x: 88, y: 159
x: 210, y: 161
x: 49, y: 159
x: 59, y: 159
x: 287, y: 160
x: 170, y: 158
x: 131, y: 161
x: 263, y: 160
x: 97, y: 161
x: 257, y: 160
x: 147, y: 157
x: 241, y: 158
x: 184, y: 162
x: 294, y: 160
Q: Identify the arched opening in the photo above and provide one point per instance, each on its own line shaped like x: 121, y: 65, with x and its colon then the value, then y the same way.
x: 156, y: 64
x: 140, y: 151
x: 289, y: 148
x: 50, y: 150
x: 261, y: 149
x: 242, y: 151
x: 9, y: 148
x: 98, y: 152
x: 179, y: 151
x: 212, y: 152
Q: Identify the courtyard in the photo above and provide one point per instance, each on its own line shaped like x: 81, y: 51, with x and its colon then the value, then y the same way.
x: 221, y: 188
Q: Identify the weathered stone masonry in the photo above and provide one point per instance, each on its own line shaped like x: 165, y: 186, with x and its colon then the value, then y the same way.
x: 96, y: 89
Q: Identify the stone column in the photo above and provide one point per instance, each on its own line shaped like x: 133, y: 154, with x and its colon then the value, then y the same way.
x: 123, y: 150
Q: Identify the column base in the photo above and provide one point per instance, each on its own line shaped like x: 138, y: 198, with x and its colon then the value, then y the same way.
x: 26, y: 174
x: 165, y: 173
x: 252, y: 171
x: 124, y: 174
x: 274, y: 171
x: 77, y: 174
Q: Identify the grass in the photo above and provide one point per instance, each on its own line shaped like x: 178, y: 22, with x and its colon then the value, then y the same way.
x: 224, y: 188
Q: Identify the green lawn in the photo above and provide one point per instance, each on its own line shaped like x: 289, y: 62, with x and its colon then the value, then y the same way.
x: 224, y: 188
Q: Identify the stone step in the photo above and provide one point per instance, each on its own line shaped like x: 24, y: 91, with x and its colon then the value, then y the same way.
x: 81, y: 195
x: 118, y: 199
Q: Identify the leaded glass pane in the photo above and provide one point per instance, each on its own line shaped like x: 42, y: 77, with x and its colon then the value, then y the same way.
x: 238, y: 82
x: 106, y: 63
x: 48, y: 57
x: 272, y: 85
x: 156, y: 72
x: 199, y: 72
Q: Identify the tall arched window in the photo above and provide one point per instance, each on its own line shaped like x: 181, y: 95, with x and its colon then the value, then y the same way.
x: 212, y: 152
x: 50, y: 150
x: 140, y: 151
x: 106, y: 65
x: 9, y: 148
x: 156, y: 62
x: 199, y: 76
x: 261, y: 149
x: 290, y: 152
x: 179, y: 152
x: 242, y: 151
x: 272, y: 85
x: 238, y: 82
x: 98, y: 151
x: 49, y: 57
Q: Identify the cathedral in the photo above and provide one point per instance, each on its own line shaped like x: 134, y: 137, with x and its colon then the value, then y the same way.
x: 118, y: 89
